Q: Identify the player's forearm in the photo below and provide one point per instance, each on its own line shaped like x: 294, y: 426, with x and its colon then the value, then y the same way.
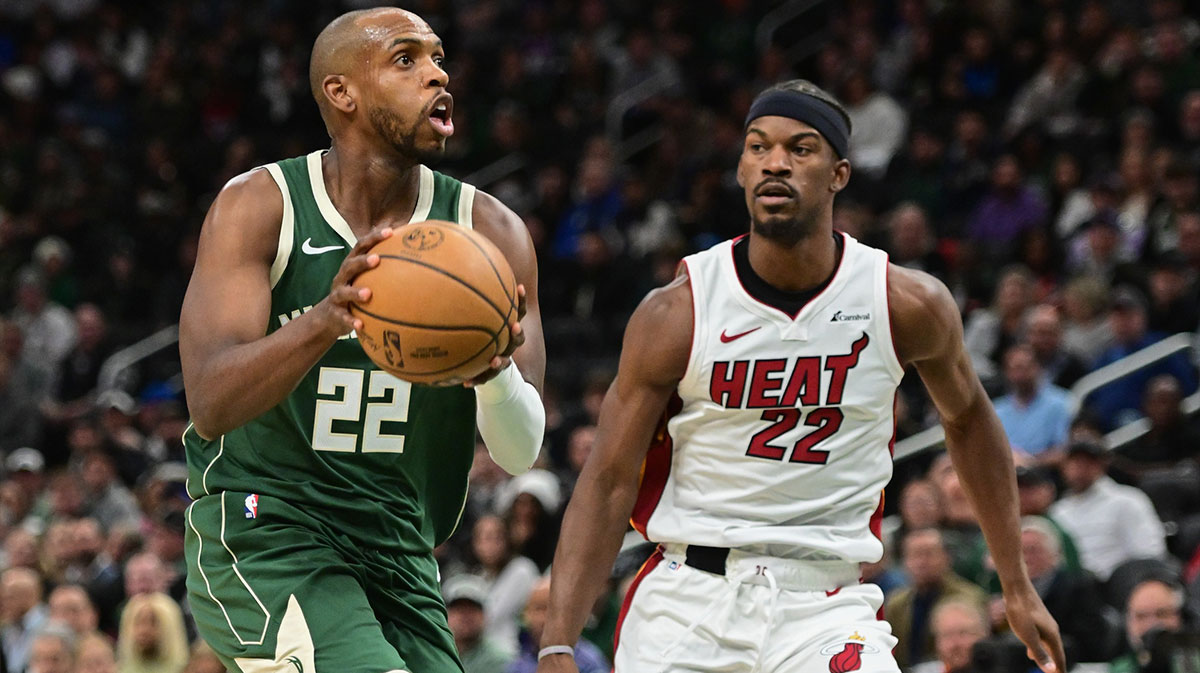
x: 511, y: 419
x: 591, y: 537
x: 982, y: 456
x: 237, y: 384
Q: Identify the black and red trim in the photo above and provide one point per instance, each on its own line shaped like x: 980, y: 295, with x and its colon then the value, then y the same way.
x: 656, y: 468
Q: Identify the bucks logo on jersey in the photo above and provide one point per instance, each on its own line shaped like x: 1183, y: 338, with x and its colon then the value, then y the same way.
x: 374, y: 457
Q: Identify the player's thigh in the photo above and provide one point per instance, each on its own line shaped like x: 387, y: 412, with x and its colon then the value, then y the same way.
x: 405, y: 593
x: 270, y: 598
x: 667, y: 600
x: 816, y: 633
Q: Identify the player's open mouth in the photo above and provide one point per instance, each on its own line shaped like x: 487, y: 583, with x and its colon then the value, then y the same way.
x: 439, y: 116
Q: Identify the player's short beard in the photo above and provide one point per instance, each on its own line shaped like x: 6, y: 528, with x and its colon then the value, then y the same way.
x: 391, y: 128
x: 787, y: 230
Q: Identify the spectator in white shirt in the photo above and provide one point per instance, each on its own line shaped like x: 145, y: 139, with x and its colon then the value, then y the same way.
x: 1110, y: 523
x: 22, y: 613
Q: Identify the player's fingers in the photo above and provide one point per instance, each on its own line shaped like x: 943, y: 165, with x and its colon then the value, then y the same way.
x: 516, y: 337
x: 347, y: 294
x: 1038, y: 654
x: 521, y: 301
x: 354, y: 265
x: 367, y: 242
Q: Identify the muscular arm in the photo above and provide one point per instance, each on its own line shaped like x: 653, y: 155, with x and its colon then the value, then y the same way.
x: 653, y: 359
x: 511, y: 416
x: 503, y: 227
x: 232, y: 370
x: 928, y: 334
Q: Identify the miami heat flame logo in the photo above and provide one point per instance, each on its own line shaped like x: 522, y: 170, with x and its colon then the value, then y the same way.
x: 849, y: 659
x: 846, y: 654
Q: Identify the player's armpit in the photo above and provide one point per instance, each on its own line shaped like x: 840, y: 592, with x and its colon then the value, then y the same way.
x: 503, y: 227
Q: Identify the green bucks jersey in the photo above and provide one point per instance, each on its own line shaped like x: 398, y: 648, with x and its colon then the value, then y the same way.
x: 380, y: 461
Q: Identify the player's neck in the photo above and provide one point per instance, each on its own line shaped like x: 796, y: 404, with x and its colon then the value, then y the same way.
x: 369, y: 190
x: 795, y: 268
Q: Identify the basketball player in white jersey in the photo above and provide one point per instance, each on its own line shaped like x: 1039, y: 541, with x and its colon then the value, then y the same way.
x: 749, y: 432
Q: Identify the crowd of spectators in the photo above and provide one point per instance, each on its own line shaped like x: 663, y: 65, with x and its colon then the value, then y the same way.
x: 1041, y: 158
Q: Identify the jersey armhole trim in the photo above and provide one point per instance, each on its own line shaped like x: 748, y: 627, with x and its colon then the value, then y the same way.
x: 696, y: 346
x: 466, y: 205
x: 287, y: 228
x: 890, y: 355
x: 424, y: 195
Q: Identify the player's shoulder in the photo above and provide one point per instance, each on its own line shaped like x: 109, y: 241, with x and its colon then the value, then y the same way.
x: 248, y: 209
x: 923, y: 312
x: 659, y: 333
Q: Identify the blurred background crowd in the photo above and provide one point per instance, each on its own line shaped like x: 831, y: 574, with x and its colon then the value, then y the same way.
x: 1039, y: 157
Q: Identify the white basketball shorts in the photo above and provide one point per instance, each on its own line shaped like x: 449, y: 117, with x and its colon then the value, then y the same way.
x: 765, y: 614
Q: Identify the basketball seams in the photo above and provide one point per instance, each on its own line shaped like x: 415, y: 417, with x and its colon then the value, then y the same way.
x: 488, y: 257
x: 414, y: 325
x: 499, y: 313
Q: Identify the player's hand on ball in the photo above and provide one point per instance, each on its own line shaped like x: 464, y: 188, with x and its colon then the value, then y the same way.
x: 516, y: 337
x: 333, y: 309
x: 1032, y: 623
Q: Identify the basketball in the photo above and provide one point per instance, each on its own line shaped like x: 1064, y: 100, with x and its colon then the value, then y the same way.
x: 442, y: 298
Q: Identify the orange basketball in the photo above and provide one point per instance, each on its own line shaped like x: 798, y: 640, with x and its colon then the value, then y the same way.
x: 442, y: 298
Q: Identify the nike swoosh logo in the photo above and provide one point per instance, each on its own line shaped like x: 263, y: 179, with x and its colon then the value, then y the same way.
x: 308, y: 248
x: 726, y: 338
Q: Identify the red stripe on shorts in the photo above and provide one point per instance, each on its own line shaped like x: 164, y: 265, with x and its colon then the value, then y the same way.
x: 655, y: 469
x: 650, y: 564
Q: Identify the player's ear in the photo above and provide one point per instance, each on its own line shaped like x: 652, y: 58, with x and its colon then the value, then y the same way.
x: 338, y: 92
x: 841, y: 175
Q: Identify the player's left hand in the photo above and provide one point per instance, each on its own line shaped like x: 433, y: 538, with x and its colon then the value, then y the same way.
x: 1031, y: 622
x: 516, y: 337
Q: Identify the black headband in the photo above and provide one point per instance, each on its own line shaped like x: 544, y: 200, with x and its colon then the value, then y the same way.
x: 805, y: 108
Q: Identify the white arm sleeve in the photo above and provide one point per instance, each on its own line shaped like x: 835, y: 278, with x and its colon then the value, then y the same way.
x: 511, y: 420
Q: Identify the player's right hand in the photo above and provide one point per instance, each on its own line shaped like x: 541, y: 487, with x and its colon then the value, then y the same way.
x: 557, y: 663
x: 334, y: 310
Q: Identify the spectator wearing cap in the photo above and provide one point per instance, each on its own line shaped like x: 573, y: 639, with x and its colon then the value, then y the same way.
x: 1120, y: 401
x: 510, y: 578
x: 1172, y: 436
x: 25, y: 468
x: 1111, y: 523
x: 1152, y: 604
x: 1044, y: 334
x: 588, y: 658
x: 1035, y: 413
x: 465, y: 597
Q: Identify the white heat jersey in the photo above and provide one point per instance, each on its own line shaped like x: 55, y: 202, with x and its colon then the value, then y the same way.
x: 779, y: 440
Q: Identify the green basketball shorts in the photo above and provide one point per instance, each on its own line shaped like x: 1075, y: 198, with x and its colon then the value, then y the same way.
x: 274, y: 590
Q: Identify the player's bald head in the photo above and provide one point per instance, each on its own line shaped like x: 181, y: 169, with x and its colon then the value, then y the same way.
x: 342, y: 47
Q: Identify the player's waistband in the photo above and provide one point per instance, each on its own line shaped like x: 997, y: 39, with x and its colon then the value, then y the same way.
x: 801, y: 575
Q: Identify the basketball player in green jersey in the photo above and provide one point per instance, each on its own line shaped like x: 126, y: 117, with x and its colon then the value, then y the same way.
x: 321, y: 483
